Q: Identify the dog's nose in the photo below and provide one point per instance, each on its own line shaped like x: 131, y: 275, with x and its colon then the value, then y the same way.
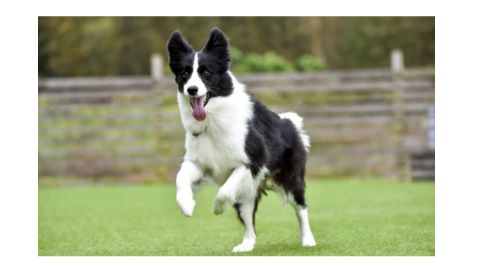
x: 192, y: 90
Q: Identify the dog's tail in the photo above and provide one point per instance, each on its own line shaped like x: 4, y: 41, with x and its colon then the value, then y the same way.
x: 298, y: 123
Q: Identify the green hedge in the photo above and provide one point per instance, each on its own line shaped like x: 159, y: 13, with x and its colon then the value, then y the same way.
x: 272, y: 62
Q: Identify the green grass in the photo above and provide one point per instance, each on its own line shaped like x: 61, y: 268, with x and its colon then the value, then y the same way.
x: 347, y: 218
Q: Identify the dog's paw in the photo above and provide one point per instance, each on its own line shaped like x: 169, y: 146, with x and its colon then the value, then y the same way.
x: 222, y: 202
x: 186, y: 204
x: 220, y: 206
x: 245, y: 246
x: 308, y: 241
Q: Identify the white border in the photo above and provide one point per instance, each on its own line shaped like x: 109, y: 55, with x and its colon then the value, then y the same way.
x: 457, y: 187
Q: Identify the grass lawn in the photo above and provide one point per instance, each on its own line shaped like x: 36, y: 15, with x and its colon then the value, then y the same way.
x: 347, y: 218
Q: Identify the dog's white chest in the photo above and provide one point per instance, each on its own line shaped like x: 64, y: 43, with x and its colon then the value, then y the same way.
x: 219, y: 149
x: 219, y: 145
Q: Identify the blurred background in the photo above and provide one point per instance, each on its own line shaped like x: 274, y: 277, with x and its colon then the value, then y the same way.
x: 365, y: 86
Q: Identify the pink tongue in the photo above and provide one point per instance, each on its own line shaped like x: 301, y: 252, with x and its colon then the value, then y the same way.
x: 199, y: 112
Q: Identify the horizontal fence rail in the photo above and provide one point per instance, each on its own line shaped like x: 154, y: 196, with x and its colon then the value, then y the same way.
x: 370, y: 122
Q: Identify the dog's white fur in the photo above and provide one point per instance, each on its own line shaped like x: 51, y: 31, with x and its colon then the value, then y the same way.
x: 218, y: 153
x: 219, y: 149
x: 195, y: 79
x: 298, y: 123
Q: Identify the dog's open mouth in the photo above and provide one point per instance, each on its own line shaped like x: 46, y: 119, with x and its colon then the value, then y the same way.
x: 198, y: 106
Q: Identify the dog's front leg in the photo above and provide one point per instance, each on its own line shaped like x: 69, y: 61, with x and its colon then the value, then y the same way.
x: 189, y: 173
x: 240, y: 189
x: 241, y: 178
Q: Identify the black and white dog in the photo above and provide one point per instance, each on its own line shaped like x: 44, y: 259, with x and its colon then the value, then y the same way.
x: 234, y: 140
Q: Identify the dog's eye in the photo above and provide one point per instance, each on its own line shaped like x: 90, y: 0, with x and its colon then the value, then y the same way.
x: 206, y: 73
x: 185, y: 73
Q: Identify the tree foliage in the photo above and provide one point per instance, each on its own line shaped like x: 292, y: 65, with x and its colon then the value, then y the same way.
x: 86, y: 46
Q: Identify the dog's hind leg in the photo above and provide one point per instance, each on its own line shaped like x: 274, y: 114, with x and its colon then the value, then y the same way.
x: 302, y: 215
x: 189, y: 174
x: 298, y: 203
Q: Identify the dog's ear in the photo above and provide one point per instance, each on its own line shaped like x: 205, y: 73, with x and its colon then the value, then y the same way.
x: 217, y: 45
x: 177, y: 47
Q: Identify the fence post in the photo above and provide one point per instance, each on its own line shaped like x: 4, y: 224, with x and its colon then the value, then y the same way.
x: 396, y: 61
x: 156, y: 67
x: 397, y: 67
x: 431, y: 128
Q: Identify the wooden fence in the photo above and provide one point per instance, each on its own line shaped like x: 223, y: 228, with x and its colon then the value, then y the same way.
x: 361, y: 122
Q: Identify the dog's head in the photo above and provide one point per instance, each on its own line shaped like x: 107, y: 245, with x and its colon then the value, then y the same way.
x: 202, y: 75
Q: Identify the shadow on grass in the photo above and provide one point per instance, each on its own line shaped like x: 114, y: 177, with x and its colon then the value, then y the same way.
x: 288, y: 249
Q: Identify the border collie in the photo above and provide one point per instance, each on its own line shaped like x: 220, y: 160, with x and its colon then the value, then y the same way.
x: 234, y: 140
